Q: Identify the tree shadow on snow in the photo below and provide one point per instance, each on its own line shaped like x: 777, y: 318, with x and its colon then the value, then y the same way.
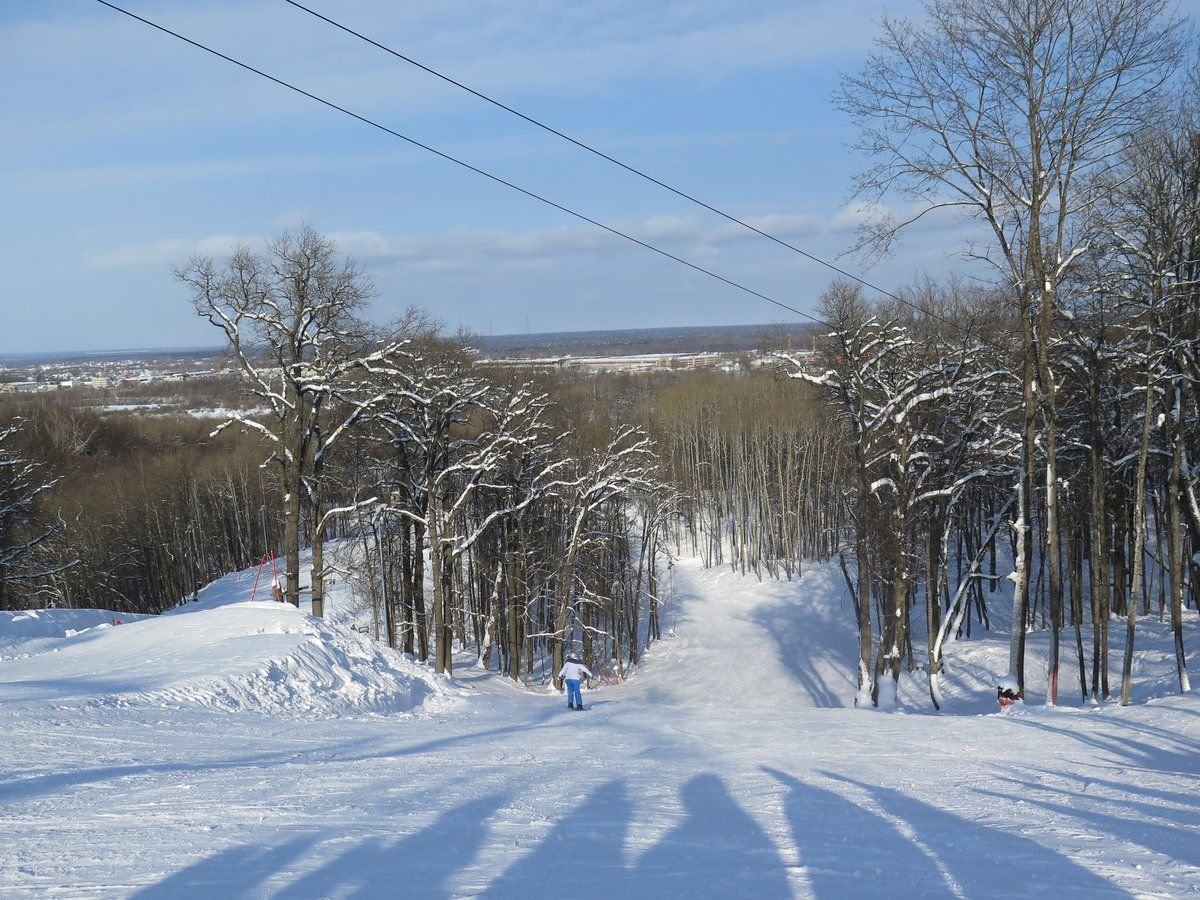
x: 236, y: 872
x: 1154, y: 797
x: 25, y: 788
x: 355, y: 750
x: 61, y: 690
x: 420, y: 865
x: 792, y: 625
x: 986, y: 861
x: 716, y: 851
x: 848, y: 851
x: 1140, y: 744
x: 549, y: 717
x: 1126, y: 820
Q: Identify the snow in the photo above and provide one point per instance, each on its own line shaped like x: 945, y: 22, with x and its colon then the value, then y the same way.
x: 242, y: 749
x: 167, y: 409
x: 262, y: 656
x: 28, y: 632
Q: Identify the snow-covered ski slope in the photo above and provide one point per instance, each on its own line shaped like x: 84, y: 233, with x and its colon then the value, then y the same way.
x: 237, y: 749
x: 267, y: 657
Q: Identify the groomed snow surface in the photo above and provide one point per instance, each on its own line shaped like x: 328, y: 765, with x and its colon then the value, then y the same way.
x: 238, y: 748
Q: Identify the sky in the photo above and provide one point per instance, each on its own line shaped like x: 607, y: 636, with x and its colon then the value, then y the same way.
x: 126, y: 152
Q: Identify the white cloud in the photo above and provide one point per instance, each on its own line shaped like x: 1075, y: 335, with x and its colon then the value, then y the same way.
x: 699, y: 238
x: 161, y: 254
x: 466, y: 248
x: 127, y: 78
x: 679, y: 234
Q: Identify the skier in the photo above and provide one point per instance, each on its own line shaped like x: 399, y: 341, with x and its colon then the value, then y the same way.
x: 1008, y: 692
x: 573, y: 669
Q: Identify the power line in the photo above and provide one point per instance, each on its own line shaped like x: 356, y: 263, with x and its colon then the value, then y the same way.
x: 626, y: 166
x: 459, y: 162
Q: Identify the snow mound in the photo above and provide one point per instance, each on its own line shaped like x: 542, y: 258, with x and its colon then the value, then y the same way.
x: 254, y: 583
x: 261, y: 656
x: 29, y: 632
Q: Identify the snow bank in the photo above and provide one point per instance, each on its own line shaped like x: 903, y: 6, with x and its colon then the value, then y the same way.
x: 32, y: 631
x: 261, y: 656
x: 342, y: 607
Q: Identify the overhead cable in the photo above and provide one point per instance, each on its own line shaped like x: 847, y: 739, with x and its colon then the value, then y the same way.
x: 449, y: 158
x: 626, y: 166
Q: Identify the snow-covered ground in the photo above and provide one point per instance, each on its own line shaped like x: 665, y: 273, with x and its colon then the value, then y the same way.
x: 243, y: 749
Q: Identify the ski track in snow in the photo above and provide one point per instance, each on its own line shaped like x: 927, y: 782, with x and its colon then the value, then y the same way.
x: 240, y: 749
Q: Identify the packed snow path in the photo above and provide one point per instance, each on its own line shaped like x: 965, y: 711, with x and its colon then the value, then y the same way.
x: 728, y: 767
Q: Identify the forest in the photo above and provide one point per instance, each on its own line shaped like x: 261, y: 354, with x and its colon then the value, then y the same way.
x: 1033, y: 437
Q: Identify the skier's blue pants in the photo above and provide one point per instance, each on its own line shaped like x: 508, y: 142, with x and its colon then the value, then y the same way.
x: 573, y: 694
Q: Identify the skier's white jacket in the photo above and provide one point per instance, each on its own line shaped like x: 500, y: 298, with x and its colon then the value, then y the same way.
x: 574, y: 671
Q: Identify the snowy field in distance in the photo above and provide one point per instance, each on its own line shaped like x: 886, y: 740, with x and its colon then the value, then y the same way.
x: 243, y: 749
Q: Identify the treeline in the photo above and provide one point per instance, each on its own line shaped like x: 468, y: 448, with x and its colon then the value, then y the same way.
x: 1068, y: 134
x: 130, y: 513
x: 550, y: 536
x: 543, y: 536
x: 760, y: 474
x: 928, y: 395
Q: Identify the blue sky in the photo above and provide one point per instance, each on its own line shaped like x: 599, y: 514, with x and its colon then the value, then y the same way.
x: 125, y: 151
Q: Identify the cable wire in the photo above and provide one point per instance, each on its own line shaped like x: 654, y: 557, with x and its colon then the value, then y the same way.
x: 465, y: 165
x: 626, y: 166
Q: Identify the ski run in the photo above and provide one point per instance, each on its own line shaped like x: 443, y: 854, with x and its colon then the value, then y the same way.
x: 245, y: 749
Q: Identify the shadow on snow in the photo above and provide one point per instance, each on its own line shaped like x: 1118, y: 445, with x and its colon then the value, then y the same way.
x: 889, y: 844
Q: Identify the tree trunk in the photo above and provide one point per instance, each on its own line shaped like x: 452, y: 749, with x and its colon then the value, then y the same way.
x: 441, y: 585
x: 317, y: 575
x: 406, y: 586
x: 291, y: 537
x: 418, y: 591
x: 866, y: 682
x: 516, y: 617
x: 1176, y: 547
x: 1139, y: 541
x: 1023, y: 541
x: 1098, y: 568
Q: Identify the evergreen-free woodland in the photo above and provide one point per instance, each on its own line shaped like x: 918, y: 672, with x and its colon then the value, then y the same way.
x: 1039, y: 432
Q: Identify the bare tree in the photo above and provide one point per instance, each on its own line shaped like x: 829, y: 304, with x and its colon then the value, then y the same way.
x: 1006, y: 110
x: 290, y: 317
x: 1152, y: 218
x: 924, y: 426
x: 456, y: 436
x: 613, y: 473
x: 22, y: 527
x: 843, y: 306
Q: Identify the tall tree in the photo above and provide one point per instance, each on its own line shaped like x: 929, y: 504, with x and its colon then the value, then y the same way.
x: 291, y: 319
x: 614, y: 473
x: 1152, y: 218
x: 1006, y: 110
x: 924, y: 425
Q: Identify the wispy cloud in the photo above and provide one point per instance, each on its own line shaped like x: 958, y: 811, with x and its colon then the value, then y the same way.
x: 460, y: 249
x: 528, y: 48
x: 161, y: 254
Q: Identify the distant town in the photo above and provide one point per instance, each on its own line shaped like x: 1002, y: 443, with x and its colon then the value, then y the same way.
x: 727, y: 348
x: 100, y: 375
